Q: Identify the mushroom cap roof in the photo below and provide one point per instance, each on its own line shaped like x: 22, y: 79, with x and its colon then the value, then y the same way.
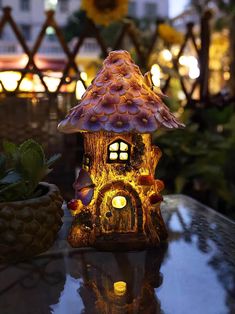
x: 119, y: 100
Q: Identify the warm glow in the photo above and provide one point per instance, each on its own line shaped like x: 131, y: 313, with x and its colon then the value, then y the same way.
x: 80, y: 89
x: 114, y: 146
x: 192, y: 64
x: 113, y: 156
x: 38, y: 87
x: 175, y: 50
x: 23, y: 60
x: 156, y: 72
x: 119, y: 202
x: 181, y: 95
x: 123, y: 156
x: 156, y: 80
x: 123, y: 146
x: 119, y: 288
x: 83, y: 76
x: 26, y: 85
x: 194, y: 72
x: 155, y: 69
x: 10, y: 79
x: 166, y: 54
x: 52, y: 83
x: 226, y: 76
x: 183, y: 60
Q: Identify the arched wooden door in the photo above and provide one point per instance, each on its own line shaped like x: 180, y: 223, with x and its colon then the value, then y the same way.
x: 119, y: 209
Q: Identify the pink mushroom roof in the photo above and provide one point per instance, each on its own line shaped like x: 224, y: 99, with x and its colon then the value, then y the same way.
x: 119, y: 100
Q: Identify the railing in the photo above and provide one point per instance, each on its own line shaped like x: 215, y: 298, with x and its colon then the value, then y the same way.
x: 89, y: 47
x: 96, y: 46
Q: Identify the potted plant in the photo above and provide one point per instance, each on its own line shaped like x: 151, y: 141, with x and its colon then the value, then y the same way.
x: 30, y: 210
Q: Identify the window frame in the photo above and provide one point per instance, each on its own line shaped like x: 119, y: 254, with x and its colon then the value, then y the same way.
x: 119, y: 151
x: 63, y: 6
x: 150, y: 9
x: 132, y: 8
x: 25, y: 5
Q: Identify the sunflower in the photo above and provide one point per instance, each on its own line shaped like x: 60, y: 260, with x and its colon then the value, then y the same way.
x: 104, y: 12
x: 169, y: 34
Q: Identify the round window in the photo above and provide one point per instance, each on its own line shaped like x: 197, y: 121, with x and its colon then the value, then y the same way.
x: 119, y: 201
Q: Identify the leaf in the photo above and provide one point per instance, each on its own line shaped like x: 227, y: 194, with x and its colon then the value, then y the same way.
x: 13, y: 192
x: 11, y: 177
x: 32, y: 164
x: 53, y: 159
x: 32, y: 145
x: 21, y: 169
x: 9, y: 148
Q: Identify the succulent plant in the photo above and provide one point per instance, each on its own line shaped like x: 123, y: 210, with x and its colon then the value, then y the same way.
x: 22, y: 167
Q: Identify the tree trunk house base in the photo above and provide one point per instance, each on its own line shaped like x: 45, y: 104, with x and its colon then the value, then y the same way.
x: 151, y: 237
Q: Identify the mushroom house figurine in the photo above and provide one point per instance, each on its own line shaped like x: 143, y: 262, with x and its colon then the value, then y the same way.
x: 117, y: 199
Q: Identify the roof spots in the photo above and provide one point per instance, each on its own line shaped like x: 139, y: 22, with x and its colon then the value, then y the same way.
x: 119, y: 100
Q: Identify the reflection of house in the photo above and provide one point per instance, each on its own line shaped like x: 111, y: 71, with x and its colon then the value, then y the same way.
x: 138, y: 270
x: 117, y: 186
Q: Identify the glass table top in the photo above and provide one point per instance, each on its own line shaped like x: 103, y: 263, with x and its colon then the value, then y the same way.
x: 193, y: 273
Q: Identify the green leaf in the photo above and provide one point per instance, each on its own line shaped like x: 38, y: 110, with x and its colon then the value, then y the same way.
x: 9, y: 148
x: 31, y: 163
x: 13, y: 192
x: 21, y: 169
x: 11, y: 177
x: 34, y: 146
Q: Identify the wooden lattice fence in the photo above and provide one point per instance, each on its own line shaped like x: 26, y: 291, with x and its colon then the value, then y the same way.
x: 143, y: 55
x: 37, y: 117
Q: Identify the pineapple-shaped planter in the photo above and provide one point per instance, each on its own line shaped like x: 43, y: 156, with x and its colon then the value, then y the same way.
x: 117, y: 203
x: 30, y: 210
x: 30, y: 227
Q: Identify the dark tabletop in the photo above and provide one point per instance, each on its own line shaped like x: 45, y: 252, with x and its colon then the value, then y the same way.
x: 194, y: 273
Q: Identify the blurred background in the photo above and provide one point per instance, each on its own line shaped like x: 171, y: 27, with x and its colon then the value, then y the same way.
x: 50, y: 50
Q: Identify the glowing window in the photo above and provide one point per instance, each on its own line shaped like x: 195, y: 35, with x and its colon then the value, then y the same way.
x: 123, y: 146
x: 123, y: 156
x: 114, y: 146
x: 113, y: 156
x: 119, y: 202
x: 118, y: 151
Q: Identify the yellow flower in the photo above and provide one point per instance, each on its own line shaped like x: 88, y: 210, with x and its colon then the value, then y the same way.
x: 104, y: 12
x: 169, y: 34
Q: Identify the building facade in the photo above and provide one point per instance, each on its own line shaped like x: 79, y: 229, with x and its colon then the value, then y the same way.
x: 149, y: 9
x: 29, y: 15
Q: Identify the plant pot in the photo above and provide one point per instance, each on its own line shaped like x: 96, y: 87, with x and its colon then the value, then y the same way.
x: 30, y: 227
